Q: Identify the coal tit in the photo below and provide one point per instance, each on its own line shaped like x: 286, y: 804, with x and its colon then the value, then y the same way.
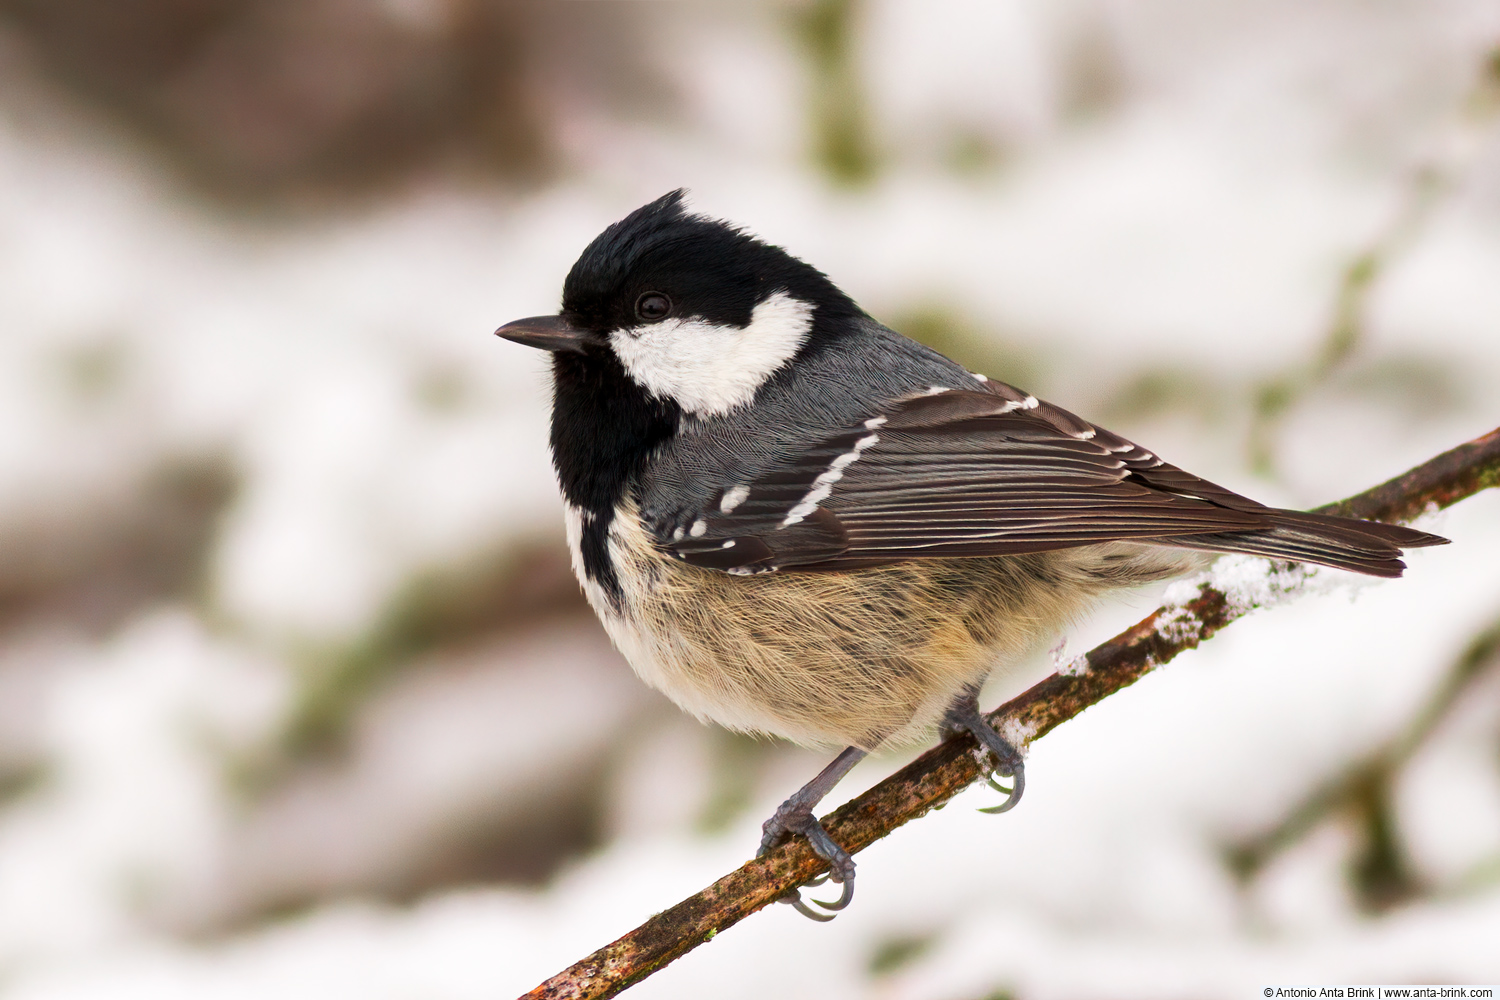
x: 793, y: 520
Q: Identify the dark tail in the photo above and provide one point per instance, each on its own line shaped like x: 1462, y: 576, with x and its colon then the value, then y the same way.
x: 1341, y: 542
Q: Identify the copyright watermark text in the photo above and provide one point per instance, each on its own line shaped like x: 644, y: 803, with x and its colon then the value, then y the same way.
x: 1379, y: 992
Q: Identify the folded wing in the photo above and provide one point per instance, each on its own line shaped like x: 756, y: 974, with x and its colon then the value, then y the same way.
x: 997, y: 472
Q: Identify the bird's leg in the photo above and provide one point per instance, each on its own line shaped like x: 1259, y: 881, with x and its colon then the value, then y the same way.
x: 963, y: 716
x: 795, y: 816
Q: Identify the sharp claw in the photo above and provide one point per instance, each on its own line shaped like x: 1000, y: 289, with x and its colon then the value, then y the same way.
x: 844, y: 898
x: 1018, y: 784
x: 964, y: 715
x: 842, y: 873
x: 795, y: 900
x: 1012, y: 794
x: 825, y: 848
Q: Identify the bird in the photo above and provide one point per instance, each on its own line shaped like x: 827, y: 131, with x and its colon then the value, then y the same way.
x: 793, y: 520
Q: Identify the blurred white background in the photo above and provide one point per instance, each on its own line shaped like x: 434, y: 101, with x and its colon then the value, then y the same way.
x: 297, y: 694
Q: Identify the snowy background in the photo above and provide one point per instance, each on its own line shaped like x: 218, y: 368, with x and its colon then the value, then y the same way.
x: 297, y: 695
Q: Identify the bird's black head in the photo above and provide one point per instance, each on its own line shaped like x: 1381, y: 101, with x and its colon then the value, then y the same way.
x: 665, y: 313
x: 705, y: 269
x: 697, y: 312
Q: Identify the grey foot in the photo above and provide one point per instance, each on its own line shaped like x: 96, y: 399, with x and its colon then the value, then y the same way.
x: 791, y: 818
x: 963, y: 716
x: 795, y: 816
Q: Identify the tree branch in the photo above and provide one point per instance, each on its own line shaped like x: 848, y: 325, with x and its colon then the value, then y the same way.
x: 1363, y: 788
x: 1195, y: 612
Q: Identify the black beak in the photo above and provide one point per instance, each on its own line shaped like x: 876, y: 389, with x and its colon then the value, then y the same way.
x: 550, y: 333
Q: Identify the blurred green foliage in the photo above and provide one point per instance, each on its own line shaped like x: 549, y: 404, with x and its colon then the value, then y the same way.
x: 94, y: 371
x: 839, y: 117
x: 1381, y: 872
x: 894, y: 953
x: 976, y: 348
x: 149, y: 543
x: 735, y: 766
x: 443, y: 608
x: 17, y: 780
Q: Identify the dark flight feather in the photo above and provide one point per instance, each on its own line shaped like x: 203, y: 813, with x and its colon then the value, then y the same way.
x: 990, y: 472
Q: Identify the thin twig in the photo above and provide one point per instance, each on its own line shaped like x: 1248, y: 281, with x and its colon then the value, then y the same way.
x: 1363, y: 786
x: 1440, y: 172
x: 950, y: 767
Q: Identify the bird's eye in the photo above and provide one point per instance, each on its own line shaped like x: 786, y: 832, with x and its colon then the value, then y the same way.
x: 653, y: 306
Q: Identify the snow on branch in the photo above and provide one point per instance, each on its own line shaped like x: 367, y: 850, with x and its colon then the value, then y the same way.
x: 1193, y: 612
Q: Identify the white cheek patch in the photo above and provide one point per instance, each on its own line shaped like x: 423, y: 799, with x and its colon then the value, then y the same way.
x: 710, y: 369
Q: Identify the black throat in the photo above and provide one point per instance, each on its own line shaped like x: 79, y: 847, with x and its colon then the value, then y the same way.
x: 605, y: 428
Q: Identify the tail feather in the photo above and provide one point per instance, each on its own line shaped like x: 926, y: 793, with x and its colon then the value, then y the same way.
x: 1344, y: 543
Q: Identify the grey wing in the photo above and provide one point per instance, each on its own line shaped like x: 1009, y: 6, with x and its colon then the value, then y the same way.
x: 996, y: 472
x: 958, y: 473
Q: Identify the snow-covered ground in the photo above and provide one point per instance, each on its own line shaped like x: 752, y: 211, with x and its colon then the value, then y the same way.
x: 1192, y: 215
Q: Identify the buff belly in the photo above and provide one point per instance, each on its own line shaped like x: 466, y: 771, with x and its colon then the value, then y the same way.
x: 864, y: 658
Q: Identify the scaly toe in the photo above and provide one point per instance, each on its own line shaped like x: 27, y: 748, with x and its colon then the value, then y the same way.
x: 840, y: 863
